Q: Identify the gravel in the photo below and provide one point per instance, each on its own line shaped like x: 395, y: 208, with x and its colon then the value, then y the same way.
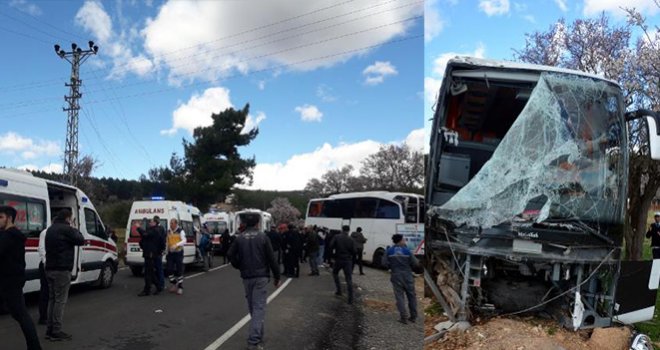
x: 380, y: 326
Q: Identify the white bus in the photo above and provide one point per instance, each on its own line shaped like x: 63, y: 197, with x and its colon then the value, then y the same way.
x: 217, y: 223
x: 189, y: 219
x: 264, y: 223
x: 38, y: 200
x: 379, y: 214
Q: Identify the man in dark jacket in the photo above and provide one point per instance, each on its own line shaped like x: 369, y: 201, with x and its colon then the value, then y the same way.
x: 225, y: 241
x: 61, y: 240
x: 359, y: 240
x: 342, y: 249
x: 153, y: 245
x: 312, y: 243
x: 253, y: 254
x: 401, y: 261
x: 276, y: 242
x: 12, y: 275
x: 654, y: 234
x: 292, y: 250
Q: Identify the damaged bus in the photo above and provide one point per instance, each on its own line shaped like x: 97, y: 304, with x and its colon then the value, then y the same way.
x: 527, y: 191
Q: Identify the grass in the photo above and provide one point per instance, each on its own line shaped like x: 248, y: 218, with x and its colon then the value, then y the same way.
x: 434, y: 309
x: 650, y: 328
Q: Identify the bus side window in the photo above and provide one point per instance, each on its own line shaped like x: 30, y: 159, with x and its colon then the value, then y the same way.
x: 388, y: 210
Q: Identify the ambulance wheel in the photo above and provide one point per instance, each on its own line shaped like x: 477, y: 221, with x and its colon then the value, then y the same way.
x: 377, y: 259
x: 106, y: 276
x: 136, y: 270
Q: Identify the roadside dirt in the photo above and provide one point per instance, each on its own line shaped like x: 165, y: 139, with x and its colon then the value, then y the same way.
x: 527, y: 334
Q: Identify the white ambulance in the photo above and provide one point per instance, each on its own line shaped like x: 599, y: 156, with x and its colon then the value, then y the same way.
x: 37, y: 200
x: 217, y: 223
x: 264, y: 223
x: 142, y: 211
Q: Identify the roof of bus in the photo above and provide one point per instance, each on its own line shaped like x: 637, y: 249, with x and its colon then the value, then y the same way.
x: 379, y: 194
x: 484, y: 62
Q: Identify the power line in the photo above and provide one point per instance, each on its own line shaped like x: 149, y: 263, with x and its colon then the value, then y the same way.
x: 31, y: 26
x: 51, y: 81
x: 35, y: 18
x: 24, y: 35
x: 196, y: 72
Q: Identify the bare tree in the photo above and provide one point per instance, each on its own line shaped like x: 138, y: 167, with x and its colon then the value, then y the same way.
x: 394, y: 168
x: 599, y: 47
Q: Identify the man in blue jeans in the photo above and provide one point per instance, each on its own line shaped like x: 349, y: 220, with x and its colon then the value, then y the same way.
x: 400, y: 260
x: 252, y: 253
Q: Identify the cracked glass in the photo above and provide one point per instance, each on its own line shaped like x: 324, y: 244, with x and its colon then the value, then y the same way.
x: 563, y: 158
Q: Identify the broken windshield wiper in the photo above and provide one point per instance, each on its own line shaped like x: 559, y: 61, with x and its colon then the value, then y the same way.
x: 579, y: 224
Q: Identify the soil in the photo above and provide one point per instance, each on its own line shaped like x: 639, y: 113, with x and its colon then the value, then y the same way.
x: 527, y: 334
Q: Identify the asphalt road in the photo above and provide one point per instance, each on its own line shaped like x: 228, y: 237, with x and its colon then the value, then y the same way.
x: 305, y: 315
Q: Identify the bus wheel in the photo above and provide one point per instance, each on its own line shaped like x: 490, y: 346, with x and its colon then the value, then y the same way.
x: 136, y: 270
x: 106, y: 276
x: 377, y: 259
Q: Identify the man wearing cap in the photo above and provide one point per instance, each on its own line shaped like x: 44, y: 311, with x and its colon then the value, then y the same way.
x: 12, y: 275
x: 152, y: 247
x: 654, y: 234
x: 400, y: 260
x: 252, y: 253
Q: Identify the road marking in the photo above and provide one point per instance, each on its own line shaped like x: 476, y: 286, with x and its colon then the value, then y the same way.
x: 216, y: 344
x: 195, y: 275
x: 219, y: 267
x: 201, y: 273
x: 123, y: 268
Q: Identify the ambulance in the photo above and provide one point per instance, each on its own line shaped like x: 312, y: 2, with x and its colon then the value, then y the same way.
x: 189, y: 219
x: 38, y: 200
x: 264, y: 222
x: 217, y: 223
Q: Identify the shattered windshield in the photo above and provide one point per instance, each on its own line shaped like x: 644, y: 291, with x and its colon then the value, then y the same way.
x: 563, y: 158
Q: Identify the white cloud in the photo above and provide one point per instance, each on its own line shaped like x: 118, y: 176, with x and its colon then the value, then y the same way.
x: 440, y: 63
x: 24, y: 6
x: 197, y: 112
x: 593, y: 7
x: 300, y: 168
x: 206, y: 40
x: 309, y: 113
x: 13, y: 143
x: 50, y: 168
x: 433, y: 24
x: 494, y: 7
x: 377, y: 72
x: 431, y: 89
x: 325, y: 93
x: 562, y: 5
x: 93, y: 18
x: 416, y: 139
x: 529, y: 18
x: 261, y: 84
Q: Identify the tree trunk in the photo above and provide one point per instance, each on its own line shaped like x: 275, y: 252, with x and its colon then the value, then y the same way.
x: 638, y: 214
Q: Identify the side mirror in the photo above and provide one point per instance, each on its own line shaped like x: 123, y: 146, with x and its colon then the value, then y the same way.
x: 652, y: 124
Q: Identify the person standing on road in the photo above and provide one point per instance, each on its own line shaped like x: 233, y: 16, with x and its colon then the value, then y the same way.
x: 176, y: 239
x: 654, y: 234
x: 225, y: 242
x: 312, y: 242
x: 158, y: 262
x: 61, y: 240
x: 253, y: 255
x: 327, y: 254
x: 151, y: 251
x: 400, y: 260
x: 320, y: 232
x: 359, y: 240
x: 43, y: 282
x: 12, y: 275
x: 342, y: 249
x: 275, y: 241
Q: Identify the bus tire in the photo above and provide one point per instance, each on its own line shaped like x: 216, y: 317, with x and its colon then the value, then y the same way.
x: 106, y: 276
x: 136, y: 270
x: 377, y: 258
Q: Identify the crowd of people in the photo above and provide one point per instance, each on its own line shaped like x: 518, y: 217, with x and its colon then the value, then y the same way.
x: 257, y: 254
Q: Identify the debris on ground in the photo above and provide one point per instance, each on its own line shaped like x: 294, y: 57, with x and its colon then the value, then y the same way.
x: 528, y: 334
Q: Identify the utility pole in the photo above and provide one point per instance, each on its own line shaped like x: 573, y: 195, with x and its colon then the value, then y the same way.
x: 75, y: 57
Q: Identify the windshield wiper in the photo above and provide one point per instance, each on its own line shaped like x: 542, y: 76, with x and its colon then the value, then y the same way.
x: 580, y: 224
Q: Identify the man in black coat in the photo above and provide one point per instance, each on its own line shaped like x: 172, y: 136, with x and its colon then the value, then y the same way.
x: 292, y: 250
x: 12, y: 275
x: 654, y: 234
x: 225, y: 242
x: 61, y: 242
x: 342, y: 249
x: 153, y: 245
x: 276, y: 242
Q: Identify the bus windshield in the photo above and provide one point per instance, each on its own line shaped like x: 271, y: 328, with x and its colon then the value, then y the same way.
x: 563, y: 158
x: 216, y: 227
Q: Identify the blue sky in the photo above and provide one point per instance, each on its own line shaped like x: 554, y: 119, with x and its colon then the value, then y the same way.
x: 327, y: 82
x: 493, y: 28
